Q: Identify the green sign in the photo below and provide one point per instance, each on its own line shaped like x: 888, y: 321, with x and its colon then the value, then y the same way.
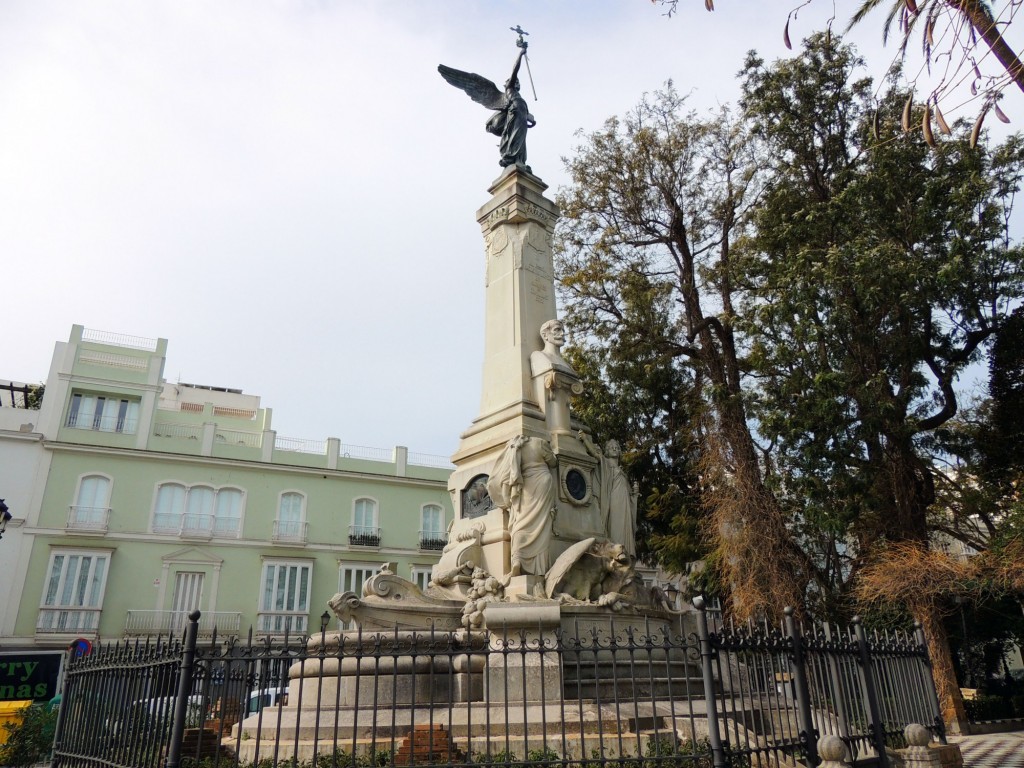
x: 29, y: 675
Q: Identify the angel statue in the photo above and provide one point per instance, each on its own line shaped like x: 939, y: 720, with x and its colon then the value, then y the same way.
x: 511, y: 117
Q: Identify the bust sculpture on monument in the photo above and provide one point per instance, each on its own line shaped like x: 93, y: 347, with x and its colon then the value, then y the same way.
x: 554, y: 380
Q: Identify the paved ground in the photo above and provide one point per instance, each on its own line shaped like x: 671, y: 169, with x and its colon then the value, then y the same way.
x: 996, y: 750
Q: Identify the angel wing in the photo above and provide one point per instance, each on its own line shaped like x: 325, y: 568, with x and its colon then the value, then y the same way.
x: 477, y: 87
x: 561, y: 567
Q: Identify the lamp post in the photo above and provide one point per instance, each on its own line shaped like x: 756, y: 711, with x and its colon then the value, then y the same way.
x: 325, y: 619
x: 5, y: 515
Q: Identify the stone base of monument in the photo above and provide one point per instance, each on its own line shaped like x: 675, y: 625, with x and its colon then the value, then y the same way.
x: 572, y: 728
x: 579, y: 676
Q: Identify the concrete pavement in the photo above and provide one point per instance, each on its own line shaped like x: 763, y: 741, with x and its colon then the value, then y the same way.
x: 994, y: 750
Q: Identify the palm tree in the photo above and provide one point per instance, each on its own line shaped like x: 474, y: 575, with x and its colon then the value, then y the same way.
x: 977, y: 13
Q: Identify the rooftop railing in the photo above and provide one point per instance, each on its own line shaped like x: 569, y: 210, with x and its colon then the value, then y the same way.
x: 119, y: 339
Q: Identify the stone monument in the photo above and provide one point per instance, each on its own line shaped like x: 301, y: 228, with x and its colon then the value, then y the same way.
x: 543, y: 535
x: 541, y: 513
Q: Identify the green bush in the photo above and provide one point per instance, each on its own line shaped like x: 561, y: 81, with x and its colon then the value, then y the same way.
x: 989, y: 708
x: 31, y: 740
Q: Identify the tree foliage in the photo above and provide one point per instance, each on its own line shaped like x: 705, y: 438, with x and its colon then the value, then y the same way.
x: 819, y: 291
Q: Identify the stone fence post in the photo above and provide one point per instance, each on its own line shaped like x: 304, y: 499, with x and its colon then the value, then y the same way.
x: 918, y: 753
x: 832, y: 751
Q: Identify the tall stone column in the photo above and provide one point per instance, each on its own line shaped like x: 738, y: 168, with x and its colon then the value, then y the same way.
x: 517, y: 224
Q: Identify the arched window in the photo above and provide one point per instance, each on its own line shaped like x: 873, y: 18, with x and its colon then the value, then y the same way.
x: 228, y: 516
x: 170, y: 506
x: 91, y: 507
x: 198, y: 517
x: 432, y: 535
x: 364, y: 531
x: 198, y: 510
x: 291, y: 511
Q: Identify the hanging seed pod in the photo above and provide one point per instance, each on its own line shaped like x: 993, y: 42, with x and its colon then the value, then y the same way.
x: 905, y: 122
x: 974, y: 88
x: 876, y: 126
x: 1001, y: 115
x: 943, y: 125
x: 709, y: 4
x: 785, y: 36
x: 976, y: 131
x: 977, y: 72
x: 911, y: 6
x: 930, y: 32
x: 926, y: 125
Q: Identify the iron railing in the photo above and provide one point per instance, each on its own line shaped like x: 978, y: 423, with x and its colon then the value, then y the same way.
x: 88, y: 518
x: 142, y: 623
x: 290, y: 531
x: 635, y: 694
x: 433, y: 541
x: 363, y: 536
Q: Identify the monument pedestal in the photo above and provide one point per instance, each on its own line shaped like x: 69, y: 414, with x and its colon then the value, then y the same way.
x: 517, y: 224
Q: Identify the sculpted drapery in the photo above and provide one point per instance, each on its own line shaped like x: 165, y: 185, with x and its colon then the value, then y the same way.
x: 522, y: 483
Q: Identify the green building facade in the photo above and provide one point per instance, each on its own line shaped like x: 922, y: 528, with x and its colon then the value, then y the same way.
x: 155, y: 499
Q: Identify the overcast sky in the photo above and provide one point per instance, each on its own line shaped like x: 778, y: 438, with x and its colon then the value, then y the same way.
x: 286, y: 190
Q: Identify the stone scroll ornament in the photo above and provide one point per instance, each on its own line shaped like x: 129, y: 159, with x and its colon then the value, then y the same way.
x: 511, y: 117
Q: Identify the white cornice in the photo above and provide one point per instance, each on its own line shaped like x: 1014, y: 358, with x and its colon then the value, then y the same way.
x: 274, y: 549
x: 143, y: 455
x: 10, y: 434
x: 77, y: 378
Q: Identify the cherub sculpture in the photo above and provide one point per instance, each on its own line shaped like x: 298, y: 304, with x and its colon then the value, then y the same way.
x: 511, y: 118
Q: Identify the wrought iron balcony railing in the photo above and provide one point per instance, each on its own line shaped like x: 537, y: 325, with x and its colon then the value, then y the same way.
x: 433, y: 541
x: 93, y: 519
x: 290, y: 531
x: 363, y: 536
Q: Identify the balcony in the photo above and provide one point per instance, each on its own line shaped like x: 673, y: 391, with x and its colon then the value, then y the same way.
x: 87, y: 519
x: 281, y: 623
x: 107, y: 423
x: 363, y: 536
x: 67, y: 621
x: 192, y: 525
x: 290, y: 532
x: 173, y: 623
x: 433, y: 541
x: 196, y: 526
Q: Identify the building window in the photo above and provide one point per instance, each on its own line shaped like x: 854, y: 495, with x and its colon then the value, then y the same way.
x: 198, y: 510
x: 91, y: 510
x: 227, y: 517
x: 364, y: 531
x: 432, y: 536
x: 73, y: 593
x: 421, y: 576
x: 351, y: 578
x: 284, y: 601
x: 291, y: 512
x: 103, y: 413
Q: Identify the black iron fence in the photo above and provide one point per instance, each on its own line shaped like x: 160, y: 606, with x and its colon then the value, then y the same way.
x: 701, y: 694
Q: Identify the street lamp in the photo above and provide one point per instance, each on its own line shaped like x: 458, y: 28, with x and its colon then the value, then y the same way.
x: 325, y: 619
x: 5, y: 515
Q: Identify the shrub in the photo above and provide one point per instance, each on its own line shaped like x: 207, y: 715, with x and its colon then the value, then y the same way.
x: 31, y: 740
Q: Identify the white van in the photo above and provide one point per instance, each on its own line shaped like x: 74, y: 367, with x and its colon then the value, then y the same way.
x: 266, y: 697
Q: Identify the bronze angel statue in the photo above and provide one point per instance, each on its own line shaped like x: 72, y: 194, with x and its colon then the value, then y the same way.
x: 511, y: 117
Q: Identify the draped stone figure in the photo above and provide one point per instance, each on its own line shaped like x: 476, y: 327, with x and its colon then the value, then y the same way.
x: 522, y: 483
x: 616, y: 498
